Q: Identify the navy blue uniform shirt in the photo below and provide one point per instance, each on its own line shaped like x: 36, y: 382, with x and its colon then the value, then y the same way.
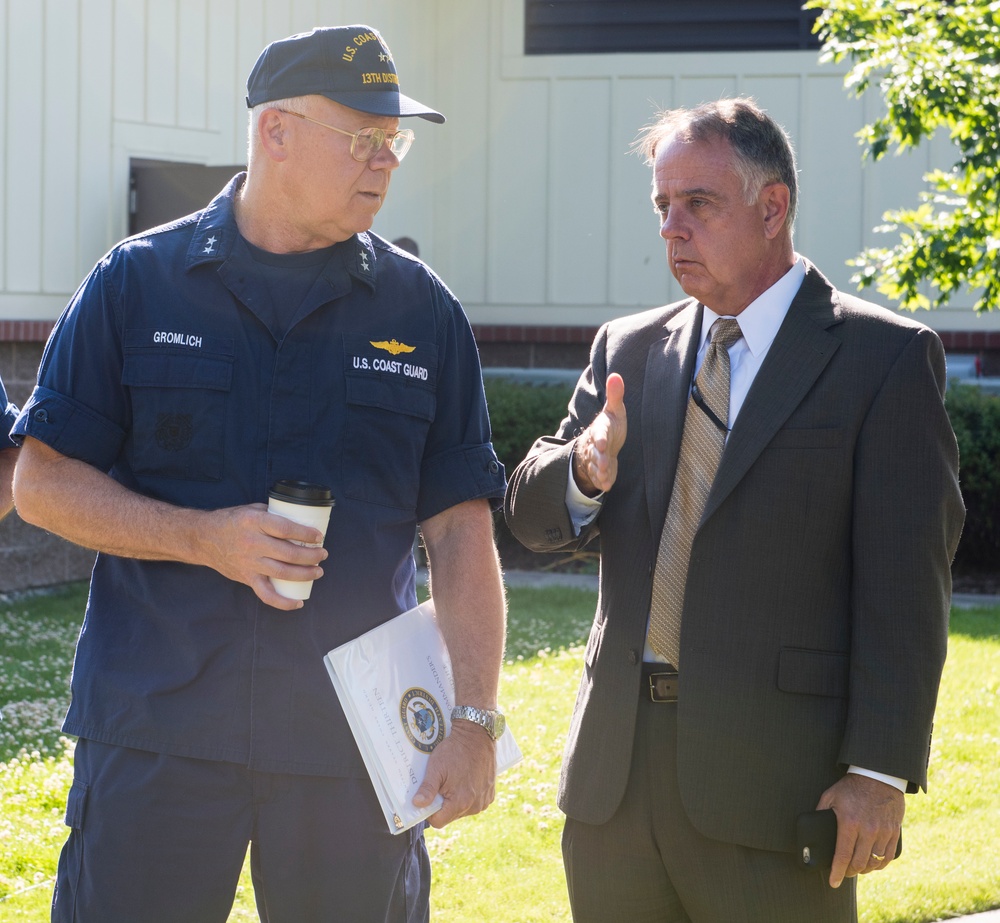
x: 163, y: 372
x: 9, y: 415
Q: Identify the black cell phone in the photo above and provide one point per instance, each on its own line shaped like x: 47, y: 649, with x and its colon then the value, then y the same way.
x: 816, y: 839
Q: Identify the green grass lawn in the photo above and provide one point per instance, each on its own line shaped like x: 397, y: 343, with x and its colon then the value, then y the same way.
x: 505, y: 864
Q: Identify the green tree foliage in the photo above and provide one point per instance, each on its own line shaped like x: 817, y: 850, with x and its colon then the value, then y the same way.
x: 937, y: 66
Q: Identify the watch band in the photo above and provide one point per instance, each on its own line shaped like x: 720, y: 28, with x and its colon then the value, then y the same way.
x: 492, y: 719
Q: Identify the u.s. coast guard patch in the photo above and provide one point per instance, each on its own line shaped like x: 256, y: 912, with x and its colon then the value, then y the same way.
x: 422, y: 719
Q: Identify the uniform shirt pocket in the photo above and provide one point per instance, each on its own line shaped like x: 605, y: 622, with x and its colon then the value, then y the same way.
x: 391, y: 403
x: 179, y: 404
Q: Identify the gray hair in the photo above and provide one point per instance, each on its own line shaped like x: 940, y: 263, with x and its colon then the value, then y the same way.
x: 762, y: 150
x: 293, y: 104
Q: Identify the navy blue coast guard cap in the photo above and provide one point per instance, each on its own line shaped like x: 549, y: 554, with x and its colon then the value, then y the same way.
x: 351, y: 65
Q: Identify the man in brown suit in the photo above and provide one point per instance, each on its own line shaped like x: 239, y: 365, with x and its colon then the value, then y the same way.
x: 815, y: 595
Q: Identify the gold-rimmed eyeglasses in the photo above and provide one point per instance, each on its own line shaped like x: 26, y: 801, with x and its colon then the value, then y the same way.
x: 367, y: 142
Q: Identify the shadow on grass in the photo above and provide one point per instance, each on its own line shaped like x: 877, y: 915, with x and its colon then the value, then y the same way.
x: 980, y: 624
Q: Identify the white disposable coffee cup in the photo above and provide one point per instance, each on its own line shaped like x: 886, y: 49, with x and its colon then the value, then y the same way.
x: 305, y: 503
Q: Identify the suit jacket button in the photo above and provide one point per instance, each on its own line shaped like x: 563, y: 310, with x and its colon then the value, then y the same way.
x: 633, y: 657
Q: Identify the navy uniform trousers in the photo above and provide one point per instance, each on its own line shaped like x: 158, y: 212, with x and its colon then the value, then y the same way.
x: 162, y: 839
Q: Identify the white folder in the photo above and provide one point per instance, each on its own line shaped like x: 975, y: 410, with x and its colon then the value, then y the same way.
x: 396, y: 687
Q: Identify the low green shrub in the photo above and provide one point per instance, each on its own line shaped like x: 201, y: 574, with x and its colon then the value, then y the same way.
x: 975, y: 417
x: 520, y: 413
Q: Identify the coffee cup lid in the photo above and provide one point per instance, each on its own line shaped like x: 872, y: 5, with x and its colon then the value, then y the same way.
x: 302, y: 492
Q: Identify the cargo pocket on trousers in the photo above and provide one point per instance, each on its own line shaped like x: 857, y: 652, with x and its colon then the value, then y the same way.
x: 71, y: 858
x: 76, y: 803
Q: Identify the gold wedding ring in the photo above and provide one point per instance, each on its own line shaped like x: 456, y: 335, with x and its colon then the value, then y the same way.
x: 878, y: 858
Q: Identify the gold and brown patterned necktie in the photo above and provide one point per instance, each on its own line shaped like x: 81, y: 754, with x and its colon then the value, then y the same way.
x: 705, y: 429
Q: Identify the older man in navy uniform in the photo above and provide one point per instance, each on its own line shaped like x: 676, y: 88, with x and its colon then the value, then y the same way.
x: 200, y: 362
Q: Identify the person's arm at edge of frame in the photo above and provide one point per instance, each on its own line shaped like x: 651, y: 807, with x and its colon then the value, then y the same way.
x: 471, y: 608
x: 8, y: 459
x: 84, y: 505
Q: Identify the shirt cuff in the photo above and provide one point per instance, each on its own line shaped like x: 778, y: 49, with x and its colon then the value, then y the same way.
x: 581, y: 508
x: 894, y: 781
x: 7, y: 418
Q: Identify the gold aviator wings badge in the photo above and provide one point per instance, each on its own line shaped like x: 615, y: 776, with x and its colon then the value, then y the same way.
x: 393, y: 347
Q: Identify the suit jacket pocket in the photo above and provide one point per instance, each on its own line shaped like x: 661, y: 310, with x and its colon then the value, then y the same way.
x: 807, y: 439
x: 594, y: 642
x: 807, y: 672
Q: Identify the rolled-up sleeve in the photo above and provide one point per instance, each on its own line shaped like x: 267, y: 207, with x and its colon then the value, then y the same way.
x: 459, y: 461
x: 10, y: 412
x: 78, y: 406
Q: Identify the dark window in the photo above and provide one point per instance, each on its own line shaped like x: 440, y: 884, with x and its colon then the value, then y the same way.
x: 587, y: 26
x: 164, y: 190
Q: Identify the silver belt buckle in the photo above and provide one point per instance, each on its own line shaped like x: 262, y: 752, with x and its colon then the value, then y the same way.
x: 663, y: 687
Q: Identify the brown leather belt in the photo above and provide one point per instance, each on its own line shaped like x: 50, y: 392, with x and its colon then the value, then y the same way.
x: 659, y: 682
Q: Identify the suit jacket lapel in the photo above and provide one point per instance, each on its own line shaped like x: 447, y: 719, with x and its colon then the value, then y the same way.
x: 669, y: 367
x: 797, y: 357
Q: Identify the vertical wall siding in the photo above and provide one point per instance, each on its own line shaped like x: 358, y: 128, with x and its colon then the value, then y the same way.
x: 59, y: 156
x: 456, y: 154
x: 578, y: 260
x: 25, y: 140
x: 638, y: 266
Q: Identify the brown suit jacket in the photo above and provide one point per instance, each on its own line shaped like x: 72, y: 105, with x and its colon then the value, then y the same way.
x: 816, y: 612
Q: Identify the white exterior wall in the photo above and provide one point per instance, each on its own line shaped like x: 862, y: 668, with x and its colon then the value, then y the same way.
x: 525, y: 202
x: 85, y: 85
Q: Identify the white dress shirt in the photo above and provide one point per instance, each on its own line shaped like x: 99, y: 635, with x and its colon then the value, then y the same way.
x: 759, y: 322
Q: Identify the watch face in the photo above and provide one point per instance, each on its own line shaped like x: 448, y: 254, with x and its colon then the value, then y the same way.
x: 492, y: 721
